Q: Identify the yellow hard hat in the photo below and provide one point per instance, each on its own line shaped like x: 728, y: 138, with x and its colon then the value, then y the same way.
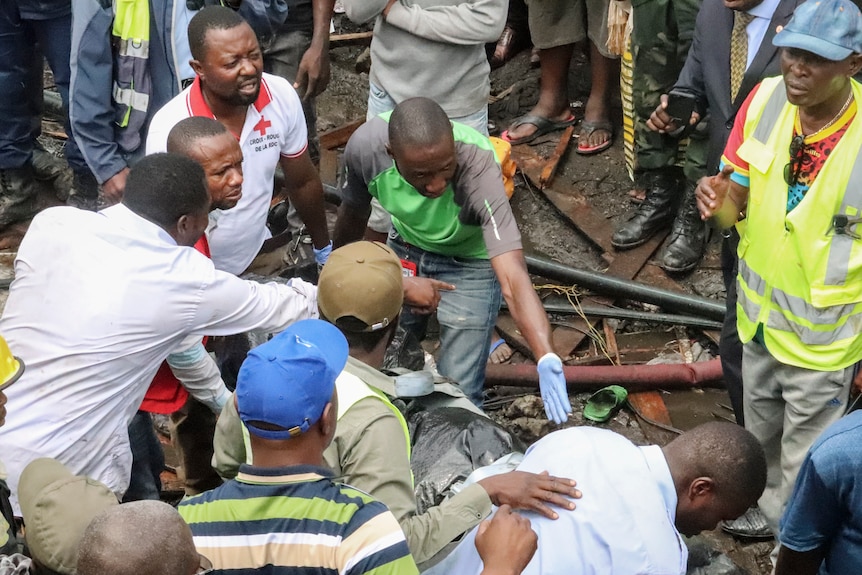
x: 11, y: 367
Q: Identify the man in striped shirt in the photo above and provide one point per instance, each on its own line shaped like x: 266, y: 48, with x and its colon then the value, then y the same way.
x: 283, y: 512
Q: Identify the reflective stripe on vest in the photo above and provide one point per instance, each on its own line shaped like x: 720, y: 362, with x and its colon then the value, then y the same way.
x: 352, y: 389
x: 132, y: 83
x: 803, y: 297
x: 827, y: 319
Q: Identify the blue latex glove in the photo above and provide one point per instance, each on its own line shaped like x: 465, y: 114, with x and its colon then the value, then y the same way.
x: 552, y: 384
x: 322, y: 254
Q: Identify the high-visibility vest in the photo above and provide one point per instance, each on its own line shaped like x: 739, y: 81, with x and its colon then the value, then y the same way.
x: 352, y: 389
x: 797, y: 278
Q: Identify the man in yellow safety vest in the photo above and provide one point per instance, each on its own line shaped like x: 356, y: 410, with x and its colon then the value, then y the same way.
x: 792, y: 169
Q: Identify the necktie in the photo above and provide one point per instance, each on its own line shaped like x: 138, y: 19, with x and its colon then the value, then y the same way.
x: 738, y: 50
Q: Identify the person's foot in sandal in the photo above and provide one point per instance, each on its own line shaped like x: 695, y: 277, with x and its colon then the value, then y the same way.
x: 500, y: 352
x: 552, y: 111
x: 595, y: 137
x: 533, y: 126
x: 596, y: 130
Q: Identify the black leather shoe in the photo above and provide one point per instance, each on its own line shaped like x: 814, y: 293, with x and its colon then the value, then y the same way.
x: 687, y: 238
x: 17, y: 195
x: 654, y: 213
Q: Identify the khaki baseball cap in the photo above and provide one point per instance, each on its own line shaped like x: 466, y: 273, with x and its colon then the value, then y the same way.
x: 361, y: 280
x: 57, y: 507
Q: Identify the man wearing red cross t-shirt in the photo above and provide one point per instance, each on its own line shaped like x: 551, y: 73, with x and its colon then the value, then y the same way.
x: 265, y: 114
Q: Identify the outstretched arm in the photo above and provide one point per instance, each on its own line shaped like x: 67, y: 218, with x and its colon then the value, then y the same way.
x: 530, y: 317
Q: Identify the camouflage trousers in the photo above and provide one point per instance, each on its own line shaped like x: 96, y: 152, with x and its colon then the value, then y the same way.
x: 661, y: 37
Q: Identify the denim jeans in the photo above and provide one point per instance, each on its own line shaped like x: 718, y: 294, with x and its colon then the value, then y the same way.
x: 466, y: 315
x: 148, y: 459
x: 18, y: 39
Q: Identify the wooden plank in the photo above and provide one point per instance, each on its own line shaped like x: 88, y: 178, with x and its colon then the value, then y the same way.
x: 328, y: 167
x: 337, y: 137
x: 352, y: 39
x: 650, y: 405
x: 550, y: 168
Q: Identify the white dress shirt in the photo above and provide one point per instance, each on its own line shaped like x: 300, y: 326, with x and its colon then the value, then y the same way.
x: 99, y: 300
x: 756, y: 29
x: 623, y: 524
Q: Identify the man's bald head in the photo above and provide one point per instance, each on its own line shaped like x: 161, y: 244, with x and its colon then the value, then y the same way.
x: 418, y: 123
x: 185, y: 135
x: 138, y: 538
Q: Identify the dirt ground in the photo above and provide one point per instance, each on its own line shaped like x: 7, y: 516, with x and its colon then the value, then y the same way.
x: 603, y: 180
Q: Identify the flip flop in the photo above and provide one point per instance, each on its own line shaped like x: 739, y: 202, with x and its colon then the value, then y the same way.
x: 543, y: 126
x: 587, y: 129
x: 602, y: 405
x: 497, y: 355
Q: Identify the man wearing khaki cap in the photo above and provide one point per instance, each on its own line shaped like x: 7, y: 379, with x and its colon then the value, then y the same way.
x: 360, y: 291
x: 57, y: 507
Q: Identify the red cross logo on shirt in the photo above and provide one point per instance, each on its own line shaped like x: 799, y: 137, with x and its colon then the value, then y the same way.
x: 262, y: 125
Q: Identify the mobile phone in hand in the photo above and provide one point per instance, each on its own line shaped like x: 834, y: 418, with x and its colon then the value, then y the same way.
x: 680, y: 106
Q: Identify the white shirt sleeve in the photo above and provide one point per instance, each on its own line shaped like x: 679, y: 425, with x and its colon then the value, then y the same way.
x: 230, y: 305
x: 199, y: 374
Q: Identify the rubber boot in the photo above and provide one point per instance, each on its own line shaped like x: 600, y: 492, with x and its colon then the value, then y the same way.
x: 688, y: 236
x: 18, y: 195
x: 654, y: 213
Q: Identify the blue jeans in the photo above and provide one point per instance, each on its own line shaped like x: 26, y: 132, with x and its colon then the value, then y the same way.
x: 148, y: 459
x: 18, y: 39
x: 466, y: 314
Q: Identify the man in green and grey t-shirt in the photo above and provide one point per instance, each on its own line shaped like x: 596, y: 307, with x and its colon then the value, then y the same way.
x: 451, y: 222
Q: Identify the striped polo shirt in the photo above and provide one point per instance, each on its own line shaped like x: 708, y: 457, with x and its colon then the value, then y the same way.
x: 295, y: 520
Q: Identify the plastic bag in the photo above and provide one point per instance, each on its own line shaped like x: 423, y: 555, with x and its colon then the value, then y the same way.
x: 448, y: 444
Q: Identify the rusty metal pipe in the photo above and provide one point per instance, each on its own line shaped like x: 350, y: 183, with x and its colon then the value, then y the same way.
x: 632, y: 377
x: 620, y: 288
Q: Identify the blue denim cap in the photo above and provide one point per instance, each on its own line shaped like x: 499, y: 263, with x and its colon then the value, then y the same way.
x: 832, y: 29
x: 287, y: 381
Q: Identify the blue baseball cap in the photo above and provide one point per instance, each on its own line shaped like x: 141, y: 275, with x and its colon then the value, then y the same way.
x: 287, y: 381
x: 832, y: 29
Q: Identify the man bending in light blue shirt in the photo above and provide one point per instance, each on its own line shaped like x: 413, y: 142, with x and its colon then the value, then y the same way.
x: 636, y: 500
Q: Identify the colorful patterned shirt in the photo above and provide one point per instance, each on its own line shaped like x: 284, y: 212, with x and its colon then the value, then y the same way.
x: 815, y: 151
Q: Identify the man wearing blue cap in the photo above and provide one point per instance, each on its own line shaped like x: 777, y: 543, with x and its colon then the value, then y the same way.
x: 792, y: 169
x: 284, y: 510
